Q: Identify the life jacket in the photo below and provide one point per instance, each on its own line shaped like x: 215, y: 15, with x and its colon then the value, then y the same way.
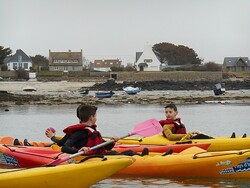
x: 179, y: 127
x: 94, y: 136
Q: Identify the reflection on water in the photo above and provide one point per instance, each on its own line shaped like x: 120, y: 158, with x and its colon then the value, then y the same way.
x: 215, y: 119
x: 174, y: 183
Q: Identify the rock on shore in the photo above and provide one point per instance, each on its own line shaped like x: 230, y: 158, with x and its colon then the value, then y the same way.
x: 155, y: 92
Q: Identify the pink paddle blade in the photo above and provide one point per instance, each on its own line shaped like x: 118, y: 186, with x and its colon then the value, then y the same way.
x: 147, y: 128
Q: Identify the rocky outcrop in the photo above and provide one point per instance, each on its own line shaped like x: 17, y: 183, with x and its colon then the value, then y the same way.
x: 172, y: 85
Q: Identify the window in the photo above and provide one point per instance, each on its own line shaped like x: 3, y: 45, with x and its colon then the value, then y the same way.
x: 148, y: 60
x: 65, y: 68
x: 15, y: 66
x: 19, y: 58
x: 25, y: 65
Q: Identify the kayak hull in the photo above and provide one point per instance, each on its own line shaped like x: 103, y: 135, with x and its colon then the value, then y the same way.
x: 158, y: 148
x: 26, y: 156
x: 192, y: 162
x: 70, y: 176
x: 217, y: 144
x: 195, y: 163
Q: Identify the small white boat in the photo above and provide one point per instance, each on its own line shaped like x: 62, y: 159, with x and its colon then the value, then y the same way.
x: 29, y: 88
x: 131, y: 90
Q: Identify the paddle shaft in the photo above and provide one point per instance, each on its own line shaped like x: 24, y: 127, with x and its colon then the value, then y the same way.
x: 92, y: 148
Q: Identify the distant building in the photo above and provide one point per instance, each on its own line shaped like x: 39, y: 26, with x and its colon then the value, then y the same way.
x: 236, y: 64
x: 147, y: 60
x: 65, y: 61
x: 18, y: 60
x: 106, y: 64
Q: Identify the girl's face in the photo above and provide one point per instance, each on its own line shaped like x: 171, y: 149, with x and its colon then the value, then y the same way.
x: 170, y: 113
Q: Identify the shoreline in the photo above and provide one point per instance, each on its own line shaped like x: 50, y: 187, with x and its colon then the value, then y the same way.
x: 57, y: 93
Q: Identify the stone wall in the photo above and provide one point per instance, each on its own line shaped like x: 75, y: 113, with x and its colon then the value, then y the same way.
x: 176, y: 76
x: 127, y: 76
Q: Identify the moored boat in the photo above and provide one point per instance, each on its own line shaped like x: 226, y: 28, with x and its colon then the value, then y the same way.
x: 130, y: 90
x: 84, y: 91
x: 29, y: 88
x: 104, y: 94
x: 72, y: 175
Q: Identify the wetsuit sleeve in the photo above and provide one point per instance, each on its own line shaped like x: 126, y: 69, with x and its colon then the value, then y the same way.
x: 60, y: 142
x: 75, y: 139
x: 54, y: 139
x: 169, y: 134
x: 110, y: 146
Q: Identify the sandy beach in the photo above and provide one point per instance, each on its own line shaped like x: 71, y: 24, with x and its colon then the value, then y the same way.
x: 56, y: 93
x: 44, y: 86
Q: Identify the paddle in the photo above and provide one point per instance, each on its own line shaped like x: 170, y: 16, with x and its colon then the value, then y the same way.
x: 146, y: 128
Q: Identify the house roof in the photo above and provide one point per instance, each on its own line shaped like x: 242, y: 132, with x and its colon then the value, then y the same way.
x: 18, y: 53
x: 65, y: 56
x: 231, y: 61
x: 138, y: 55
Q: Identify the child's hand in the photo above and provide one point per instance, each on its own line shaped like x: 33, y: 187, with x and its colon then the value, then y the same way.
x: 115, y: 138
x: 84, y: 149
x: 50, y: 132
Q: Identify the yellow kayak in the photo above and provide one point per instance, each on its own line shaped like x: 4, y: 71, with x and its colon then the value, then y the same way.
x: 65, y: 176
x: 216, y: 144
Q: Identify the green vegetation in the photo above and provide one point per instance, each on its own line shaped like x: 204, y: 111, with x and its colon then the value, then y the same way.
x: 4, y: 52
x: 22, y: 74
x: 176, y: 55
x: 40, y: 63
x: 245, y: 75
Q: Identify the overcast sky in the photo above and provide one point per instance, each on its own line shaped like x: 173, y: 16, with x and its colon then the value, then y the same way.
x: 120, y: 28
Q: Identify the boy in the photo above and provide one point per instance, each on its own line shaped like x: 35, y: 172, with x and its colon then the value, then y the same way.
x: 82, y: 136
x: 174, y: 129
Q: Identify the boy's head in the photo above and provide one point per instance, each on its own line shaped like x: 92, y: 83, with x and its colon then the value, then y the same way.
x: 171, y: 111
x: 84, y: 112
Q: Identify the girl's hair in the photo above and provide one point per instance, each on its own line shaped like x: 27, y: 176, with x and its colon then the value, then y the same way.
x: 83, y: 112
x: 171, y: 106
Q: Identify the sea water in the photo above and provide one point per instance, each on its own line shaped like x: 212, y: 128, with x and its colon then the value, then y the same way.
x: 30, y: 122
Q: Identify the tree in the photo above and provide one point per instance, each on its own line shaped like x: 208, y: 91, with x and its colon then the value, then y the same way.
x: 211, y: 66
x: 38, y: 62
x: 4, y: 52
x: 176, y: 55
x: 22, y: 74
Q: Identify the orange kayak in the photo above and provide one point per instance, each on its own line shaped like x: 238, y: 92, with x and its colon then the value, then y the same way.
x: 176, y: 148
x: 118, y: 147
x: 26, y: 156
x: 192, y: 162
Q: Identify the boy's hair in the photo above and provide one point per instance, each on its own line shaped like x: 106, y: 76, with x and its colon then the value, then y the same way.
x: 171, y: 106
x: 84, y: 112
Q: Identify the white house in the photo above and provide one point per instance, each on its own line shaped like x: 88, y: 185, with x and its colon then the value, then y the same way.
x: 148, y: 60
x: 19, y: 60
